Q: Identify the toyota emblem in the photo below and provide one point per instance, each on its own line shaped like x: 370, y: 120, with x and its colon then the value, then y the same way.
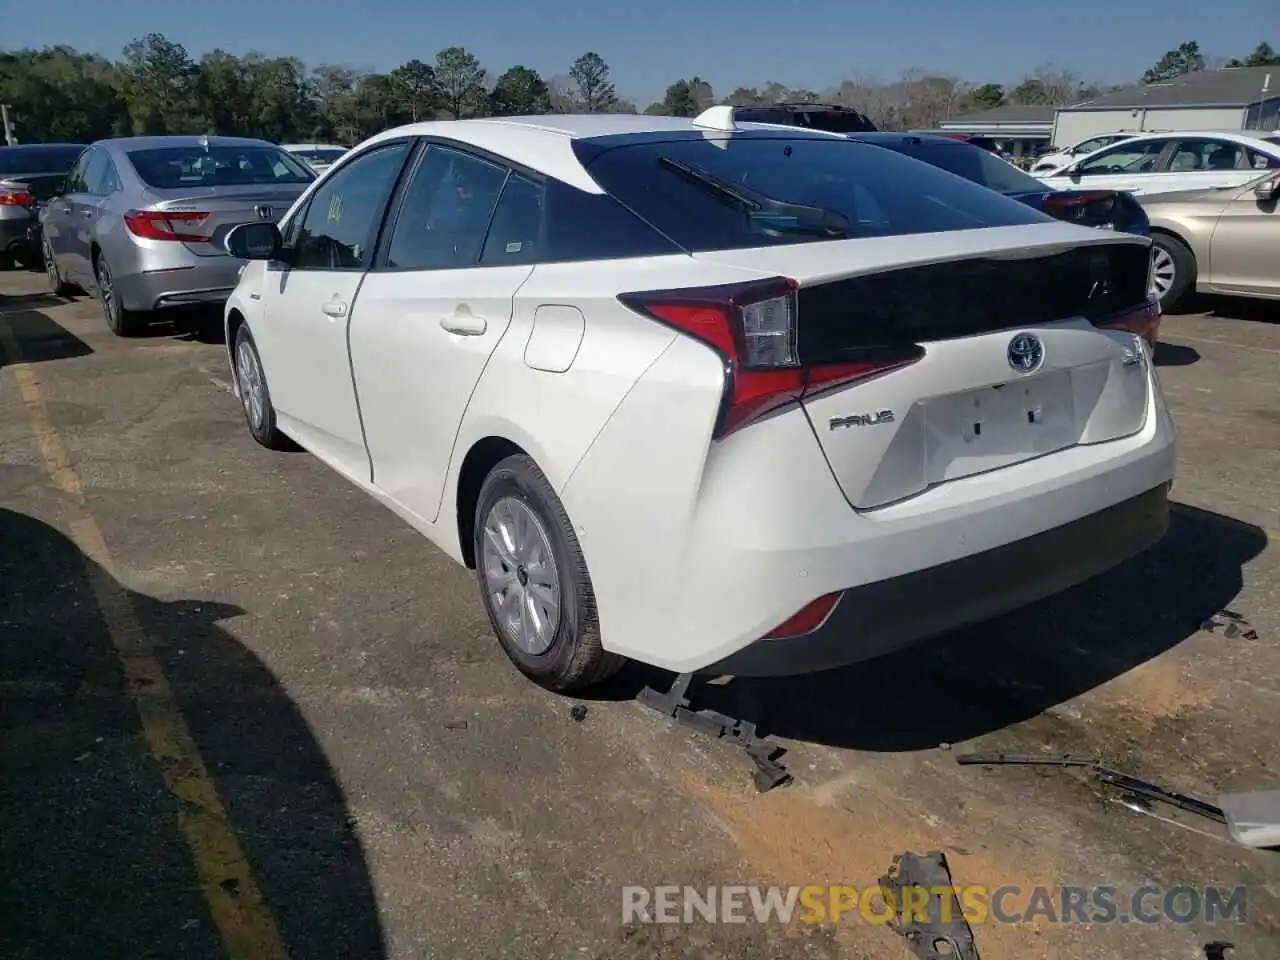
x: 1026, y: 353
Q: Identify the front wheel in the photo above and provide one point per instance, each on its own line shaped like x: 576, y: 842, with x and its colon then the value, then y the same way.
x: 255, y: 398
x: 1173, y: 269
x: 534, y: 581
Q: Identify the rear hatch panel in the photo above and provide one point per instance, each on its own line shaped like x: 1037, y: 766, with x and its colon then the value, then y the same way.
x: 966, y: 406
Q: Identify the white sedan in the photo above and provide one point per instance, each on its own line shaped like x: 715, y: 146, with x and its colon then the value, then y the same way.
x: 1157, y: 163
x: 718, y: 397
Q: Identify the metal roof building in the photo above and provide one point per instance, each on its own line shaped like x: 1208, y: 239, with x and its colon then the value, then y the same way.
x: 1020, y: 129
x: 1236, y: 98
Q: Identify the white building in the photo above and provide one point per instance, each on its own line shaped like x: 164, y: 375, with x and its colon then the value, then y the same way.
x: 1238, y: 98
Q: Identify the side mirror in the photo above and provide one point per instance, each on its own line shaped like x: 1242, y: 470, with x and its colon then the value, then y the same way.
x: 259, y: 240
x: 1266, y: 190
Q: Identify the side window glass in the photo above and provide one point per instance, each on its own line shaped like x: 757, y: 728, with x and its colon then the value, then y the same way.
x: 1260, y: 161
x: 339, y: 228
x: 1194, y: 155
x: 446, y: 212
x: 75, y: 179
x: 516, y: 233
x: 97, y: 175
x: 1126, y: 158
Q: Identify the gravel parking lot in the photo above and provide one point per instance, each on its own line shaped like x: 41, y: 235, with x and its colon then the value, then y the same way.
x: 246, y: 712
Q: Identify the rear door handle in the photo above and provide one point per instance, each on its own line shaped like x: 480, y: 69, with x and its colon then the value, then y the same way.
x: 335, y: 308
x: 86, y: 214
x: 464, y: 323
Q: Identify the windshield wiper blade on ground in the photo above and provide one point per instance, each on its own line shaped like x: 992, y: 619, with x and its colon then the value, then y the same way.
x: 769, y: 214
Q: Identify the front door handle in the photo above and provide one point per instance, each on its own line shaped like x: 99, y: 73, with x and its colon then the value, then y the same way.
x: 335, y: 308
x: 464, y: 323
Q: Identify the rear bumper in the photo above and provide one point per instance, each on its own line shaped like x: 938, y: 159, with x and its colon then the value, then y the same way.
x: 702, y: 552
x: 209, y: 283
x: 878, y: 618
x: 16, y: 233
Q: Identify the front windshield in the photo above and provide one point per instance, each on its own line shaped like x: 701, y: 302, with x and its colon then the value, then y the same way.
x: 973, y: 163
x: 171, y: 168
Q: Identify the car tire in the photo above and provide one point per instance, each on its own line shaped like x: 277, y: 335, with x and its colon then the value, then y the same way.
x: 121, y: 321
x: 255, y: 397
x: 528, y: 557
x: 57, y: 286
x: 1174, y: 269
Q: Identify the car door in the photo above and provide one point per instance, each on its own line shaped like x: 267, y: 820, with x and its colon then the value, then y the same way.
x: 1124, y: 166
x: 309, y: 300
x: 1242, y: 253
x: 1204, y: 163
x: 82, y: 213
x: 433, y: 310
x: 57, y: 222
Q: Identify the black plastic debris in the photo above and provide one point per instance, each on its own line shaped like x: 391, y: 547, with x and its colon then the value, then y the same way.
x: 578, y: 712
x: 946, y: 934
x: 1232, y: 624
x: 1217, y: 950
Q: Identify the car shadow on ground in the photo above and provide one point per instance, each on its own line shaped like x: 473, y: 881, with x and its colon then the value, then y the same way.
x: 1175, y: 355
x: 988, y: 677
x: 1249, y: 309
x: 42, y: 339
x: 92, y: 861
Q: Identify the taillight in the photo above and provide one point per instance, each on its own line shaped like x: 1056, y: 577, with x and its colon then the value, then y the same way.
x: 15, y: 197
x: 808, y: 619
x: 753, y: 326
x: 167, y: 225
x: 1142, y: 320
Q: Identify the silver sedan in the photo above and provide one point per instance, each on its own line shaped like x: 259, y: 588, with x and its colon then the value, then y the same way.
x: 140, y: 220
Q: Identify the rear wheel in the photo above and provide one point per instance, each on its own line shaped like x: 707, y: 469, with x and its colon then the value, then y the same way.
x: 534, y: 580
x: 122, y: 322
x: 255, y: 398
x: 1174, y: 268
x: 57, y: 286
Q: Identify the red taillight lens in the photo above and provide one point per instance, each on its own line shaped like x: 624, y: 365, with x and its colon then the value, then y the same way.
x: 753, y: 326
x: 167, y: 225
x: 14, y: 197
x: 809, y: 618
x: 1142, y: 320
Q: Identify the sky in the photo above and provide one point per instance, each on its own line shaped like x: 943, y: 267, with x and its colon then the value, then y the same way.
x: 651, y: 43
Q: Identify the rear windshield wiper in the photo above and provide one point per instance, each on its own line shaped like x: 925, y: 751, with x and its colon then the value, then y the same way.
x: 768, y: 214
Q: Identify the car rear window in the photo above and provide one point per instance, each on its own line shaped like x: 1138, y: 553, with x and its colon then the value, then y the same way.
x: 971, y: 162
x: 789, y: 190
x: 169, y: 168
x: 38, y: 159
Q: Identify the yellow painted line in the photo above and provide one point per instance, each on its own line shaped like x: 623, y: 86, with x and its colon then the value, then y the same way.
x: 244, y: 921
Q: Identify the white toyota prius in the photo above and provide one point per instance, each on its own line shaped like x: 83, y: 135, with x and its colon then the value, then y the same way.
x: 715, y: 396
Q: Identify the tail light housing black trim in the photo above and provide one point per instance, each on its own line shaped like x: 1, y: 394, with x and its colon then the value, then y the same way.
x: 183, y: 226
x: 753, y: 326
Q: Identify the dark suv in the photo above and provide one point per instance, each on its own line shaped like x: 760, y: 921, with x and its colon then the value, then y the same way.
x: 817, y: 116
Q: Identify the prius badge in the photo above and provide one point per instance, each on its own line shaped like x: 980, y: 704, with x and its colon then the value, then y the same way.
x: 861, y: 420
x: 1026, y: 353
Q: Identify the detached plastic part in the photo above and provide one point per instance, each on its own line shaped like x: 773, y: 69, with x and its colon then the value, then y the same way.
x: 1253, y: 818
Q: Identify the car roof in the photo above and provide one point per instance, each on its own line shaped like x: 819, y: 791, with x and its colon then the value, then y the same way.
x: 178, y: 140
x: 1251, y: 138
x: 545, y: 142
x: 41, y: 146
x: 312, y: 146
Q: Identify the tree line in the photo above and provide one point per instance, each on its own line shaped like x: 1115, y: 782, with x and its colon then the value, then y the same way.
x: 61, y: 94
